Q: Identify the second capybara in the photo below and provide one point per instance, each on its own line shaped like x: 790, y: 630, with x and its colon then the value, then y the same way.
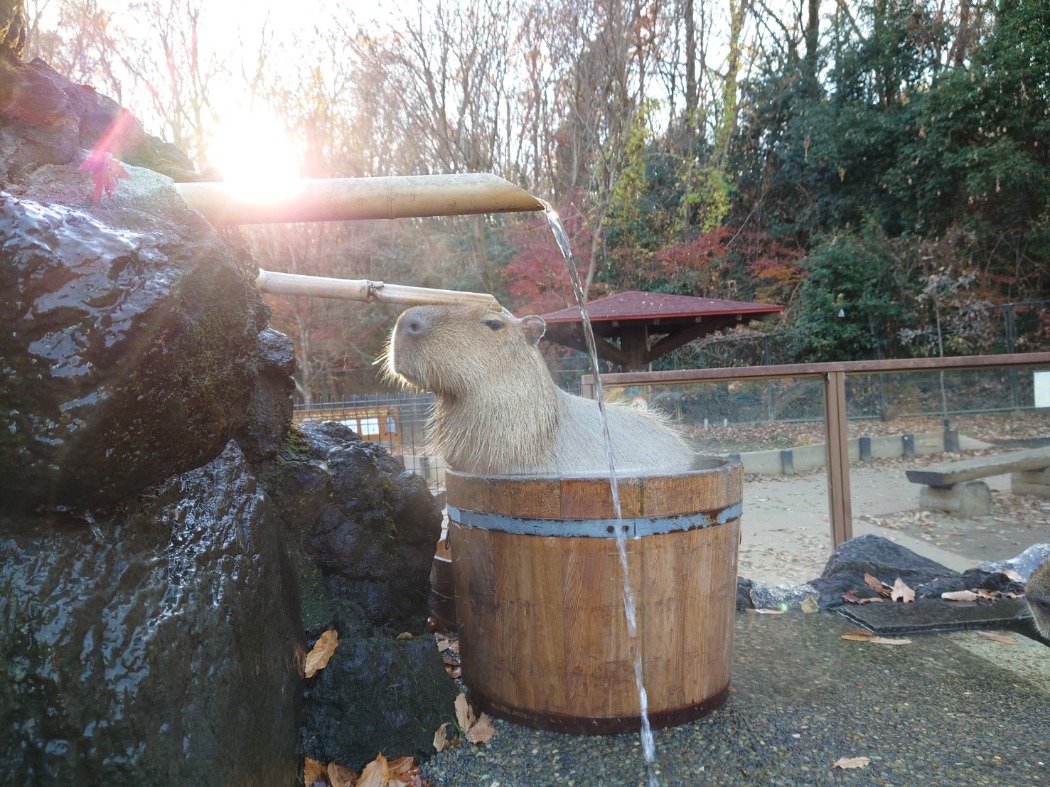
x: 498, y: 411
x: 1037, y: 596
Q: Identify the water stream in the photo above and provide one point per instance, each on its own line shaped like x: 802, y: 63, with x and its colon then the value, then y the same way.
x: 562, y: 239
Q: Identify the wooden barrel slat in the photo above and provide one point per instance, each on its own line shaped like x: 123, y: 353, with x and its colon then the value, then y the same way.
x: 543, y: 636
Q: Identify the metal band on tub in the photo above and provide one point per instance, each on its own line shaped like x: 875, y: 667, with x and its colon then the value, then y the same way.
x: 594, y: 528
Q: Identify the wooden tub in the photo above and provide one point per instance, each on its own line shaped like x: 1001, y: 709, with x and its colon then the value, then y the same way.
x: 540, y: 600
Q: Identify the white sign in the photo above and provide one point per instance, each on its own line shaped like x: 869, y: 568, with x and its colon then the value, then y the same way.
x: 1041, y: 388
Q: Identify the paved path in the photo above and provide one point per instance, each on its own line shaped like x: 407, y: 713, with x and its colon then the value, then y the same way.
x: 786, y: 530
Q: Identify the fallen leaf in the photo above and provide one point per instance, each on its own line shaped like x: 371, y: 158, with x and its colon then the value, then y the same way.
x: 341, y: 776
x: 959, y: 595
x: 441, y: 737
x: 442, y: 645
x: 810, y: 605
x: 770, y: 611
x: 860, y: 635
x: 464, y: 713
x: 901, y: 592
x: 1004, y: 639
x: 476, y: 730
x: 404, y: 635
x: 105, y: 170
x: 314, y: 773
x: 851, y: 762
x: 987, y: 595
x: 851, y: 597
x: 889, y: 641
x: 1013, y: 576
x: 320, y: 653
x: 877, y: 585
x: 482, y: 730
x: 375, y: 774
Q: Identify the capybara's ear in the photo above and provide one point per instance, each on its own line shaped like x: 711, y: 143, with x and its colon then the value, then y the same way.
x: 534, y: 327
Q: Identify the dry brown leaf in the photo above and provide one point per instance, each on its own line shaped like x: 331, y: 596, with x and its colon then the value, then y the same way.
x: 851, y: 597
x: 441, y: 737
x: 851, y: 762
x: 404, y: 635
x: 987, y: 595
x: 1004, y: 639
x: 959, y: 595
x: 320, y: 653
x: 442, y: 645
x: 1013, y: 576
x: 889, y: 641
x: 860, y: 635
x: 877, y: 585
x: 482, y: 730
x: 770, y: 611
x: 314, y: 773
x: 857, y: 637
x: 476, y: 730
x: 901, y: 592
x: 341, y: 776
x: 464, y: 713
x: 375, y: 774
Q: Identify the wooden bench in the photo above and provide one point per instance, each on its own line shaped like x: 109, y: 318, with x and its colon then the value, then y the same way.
x: 954, y: 486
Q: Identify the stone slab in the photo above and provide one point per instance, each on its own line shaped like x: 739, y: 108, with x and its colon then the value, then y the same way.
x: 927, y: 614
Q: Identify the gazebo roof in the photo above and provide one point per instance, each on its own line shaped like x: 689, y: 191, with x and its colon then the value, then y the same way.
x: 634, y: 318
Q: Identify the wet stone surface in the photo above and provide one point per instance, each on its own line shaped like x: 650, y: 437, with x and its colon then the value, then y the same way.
x: 947, y: 709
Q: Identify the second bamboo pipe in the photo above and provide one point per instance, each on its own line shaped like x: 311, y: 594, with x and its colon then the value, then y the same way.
x: 364, y: 290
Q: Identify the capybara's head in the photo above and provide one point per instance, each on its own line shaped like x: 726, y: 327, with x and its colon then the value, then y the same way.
x: 457, y: 350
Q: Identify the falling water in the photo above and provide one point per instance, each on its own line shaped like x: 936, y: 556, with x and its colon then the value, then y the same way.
x: 562, y: 239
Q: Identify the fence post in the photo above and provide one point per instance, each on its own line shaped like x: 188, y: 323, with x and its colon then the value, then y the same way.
x: 838, y: 457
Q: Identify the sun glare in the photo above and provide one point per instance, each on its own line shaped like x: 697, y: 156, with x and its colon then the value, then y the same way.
x: 254, y: 155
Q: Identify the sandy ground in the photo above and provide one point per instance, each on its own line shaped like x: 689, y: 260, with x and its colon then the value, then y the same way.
x: 786, y: 531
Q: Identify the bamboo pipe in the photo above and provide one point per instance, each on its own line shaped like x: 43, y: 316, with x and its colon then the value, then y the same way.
x: 341, y: 199
x: 364, y: 290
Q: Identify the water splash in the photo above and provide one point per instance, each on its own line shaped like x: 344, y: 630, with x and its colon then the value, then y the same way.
x: 561, y: 237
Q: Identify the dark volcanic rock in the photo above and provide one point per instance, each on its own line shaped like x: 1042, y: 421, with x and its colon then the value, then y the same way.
x: 154, y: 645
x: 377, y: 694
x: 370, y: 527
x: 128, y: 342
x: 879, y: 557
x: 270, y: 413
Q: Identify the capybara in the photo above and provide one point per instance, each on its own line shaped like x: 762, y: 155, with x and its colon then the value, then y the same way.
x: 1037, y: 595
x: 497, y: 409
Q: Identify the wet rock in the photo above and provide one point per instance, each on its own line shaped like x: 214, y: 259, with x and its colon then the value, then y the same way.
x: 759, y: 595
x: 153, y: 643
x: 1024, y: 564
x: 46, y: 119
x: 363, y: 533
x: 128, y: 341
x: 270, y: 412
x: 879, y: 557
x: 370, y: 527
x: 377, y: 694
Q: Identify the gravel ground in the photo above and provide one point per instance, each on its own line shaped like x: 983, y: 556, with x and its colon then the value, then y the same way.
x: 945, y: 710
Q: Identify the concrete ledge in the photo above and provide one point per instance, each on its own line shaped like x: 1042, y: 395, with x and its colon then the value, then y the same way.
x: 806, y: 458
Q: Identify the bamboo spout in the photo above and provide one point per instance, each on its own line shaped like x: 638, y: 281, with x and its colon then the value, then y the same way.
x: 341, y: 199
x: 364, y: 290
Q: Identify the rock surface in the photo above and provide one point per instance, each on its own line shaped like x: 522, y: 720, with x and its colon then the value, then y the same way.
x: 365, y: 532
x: 153, y: 643
x: 128, y: 343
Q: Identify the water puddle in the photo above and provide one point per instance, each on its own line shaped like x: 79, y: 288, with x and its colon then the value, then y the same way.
x: 562, y: 239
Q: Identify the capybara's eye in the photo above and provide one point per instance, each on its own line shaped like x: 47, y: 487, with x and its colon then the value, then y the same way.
x: 495, y: 325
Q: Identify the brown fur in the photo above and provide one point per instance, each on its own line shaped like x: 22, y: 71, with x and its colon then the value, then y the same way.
x: 498, y: 410
x: 1037, y: 595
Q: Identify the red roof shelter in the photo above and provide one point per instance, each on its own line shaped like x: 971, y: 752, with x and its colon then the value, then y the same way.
x: 649, y: 324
